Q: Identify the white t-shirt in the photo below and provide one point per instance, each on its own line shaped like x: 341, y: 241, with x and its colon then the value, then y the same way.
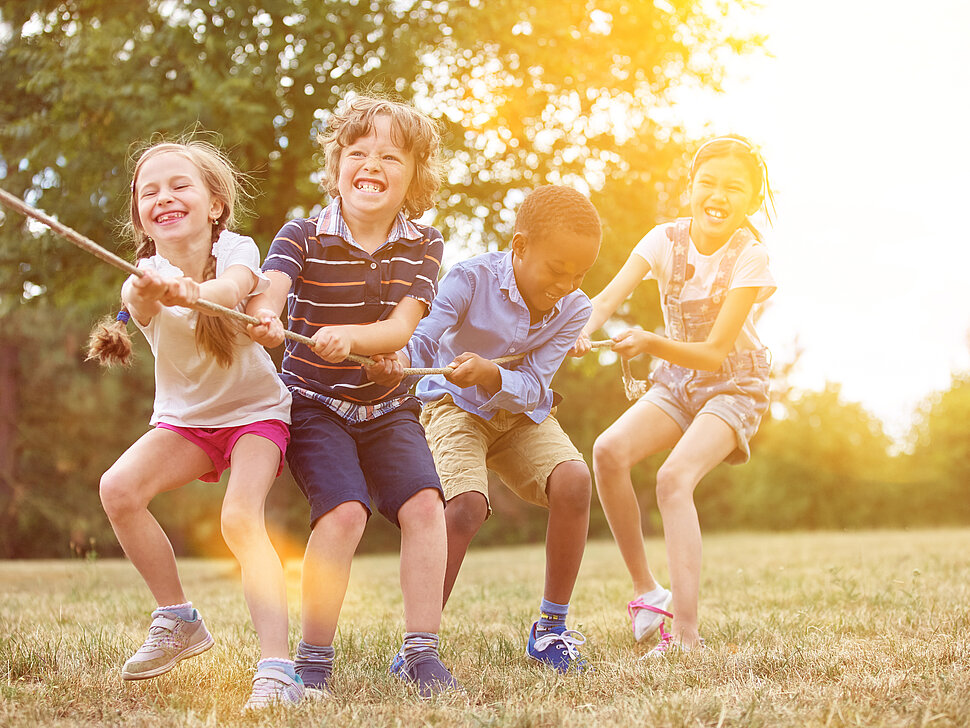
x: 192, y: 390
x: 750, y: 271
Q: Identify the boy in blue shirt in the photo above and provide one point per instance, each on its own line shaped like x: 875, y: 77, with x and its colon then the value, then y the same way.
x: 482, y: 415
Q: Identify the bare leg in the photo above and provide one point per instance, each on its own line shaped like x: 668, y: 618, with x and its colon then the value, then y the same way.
x: 423, y: 554
x: 255, y: 461
x: 569, y: 488
x: 642, y: 430
x: 464, y: 516
x: 159, y: 461
x: 705, y: 444
x: 326, y: 569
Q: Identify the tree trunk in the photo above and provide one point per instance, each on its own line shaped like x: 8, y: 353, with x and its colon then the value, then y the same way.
x: 9, y: 491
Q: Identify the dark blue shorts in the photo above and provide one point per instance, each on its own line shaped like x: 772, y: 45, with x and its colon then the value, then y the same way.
x: 380, y: 462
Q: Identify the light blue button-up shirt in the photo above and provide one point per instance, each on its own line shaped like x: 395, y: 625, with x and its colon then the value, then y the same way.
x: 479, y: 309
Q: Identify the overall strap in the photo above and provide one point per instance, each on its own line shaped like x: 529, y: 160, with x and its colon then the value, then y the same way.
x: 742, y: 236
x: 679, y: 235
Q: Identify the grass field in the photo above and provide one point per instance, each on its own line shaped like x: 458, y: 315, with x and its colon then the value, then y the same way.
x: 819, y: 629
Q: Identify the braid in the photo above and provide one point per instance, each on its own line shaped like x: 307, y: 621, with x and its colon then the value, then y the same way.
x: 213, y: 334
x: 109, y: 342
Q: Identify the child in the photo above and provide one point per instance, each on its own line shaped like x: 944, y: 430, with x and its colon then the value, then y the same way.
x: 358, y: 277
x: 218, y: 403
x: 708, y: 396
x: 481, y: 414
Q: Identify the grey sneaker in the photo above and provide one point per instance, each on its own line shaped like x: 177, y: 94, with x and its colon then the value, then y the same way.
x: 170, y: 639
x: 272, y: 686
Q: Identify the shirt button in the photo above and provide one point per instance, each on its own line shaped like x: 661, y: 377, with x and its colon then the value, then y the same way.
x: 511, y: 350
x: 373, y: 265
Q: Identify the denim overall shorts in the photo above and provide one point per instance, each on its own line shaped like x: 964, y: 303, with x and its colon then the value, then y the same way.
x: 737, y: 392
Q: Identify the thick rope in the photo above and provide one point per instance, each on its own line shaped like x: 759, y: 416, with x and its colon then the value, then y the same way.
x: 88, y: 245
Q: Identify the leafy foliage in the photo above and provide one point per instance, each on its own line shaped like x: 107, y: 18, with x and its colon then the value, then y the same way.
x: 526, y: 94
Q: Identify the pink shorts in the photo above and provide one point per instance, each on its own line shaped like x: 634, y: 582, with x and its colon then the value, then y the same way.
x: 218, y: 442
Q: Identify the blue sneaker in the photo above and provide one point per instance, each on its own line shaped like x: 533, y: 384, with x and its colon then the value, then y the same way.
x: 557, y: 649
x: 399, y: 668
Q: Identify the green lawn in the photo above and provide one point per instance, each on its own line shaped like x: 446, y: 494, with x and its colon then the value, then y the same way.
x: 808, y: 629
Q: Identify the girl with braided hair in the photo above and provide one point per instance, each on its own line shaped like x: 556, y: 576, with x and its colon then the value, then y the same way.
x: 218, y: 403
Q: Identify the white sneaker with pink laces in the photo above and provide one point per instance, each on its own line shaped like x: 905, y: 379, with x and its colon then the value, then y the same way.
x: 647, y: 612
x: 668, y: 645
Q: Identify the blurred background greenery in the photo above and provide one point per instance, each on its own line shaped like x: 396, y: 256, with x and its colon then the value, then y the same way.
x: 526, y: 94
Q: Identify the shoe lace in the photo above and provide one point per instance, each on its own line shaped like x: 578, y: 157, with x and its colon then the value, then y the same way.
x: 571, y: 639
x: 637, y: 604
x: 666, y: 641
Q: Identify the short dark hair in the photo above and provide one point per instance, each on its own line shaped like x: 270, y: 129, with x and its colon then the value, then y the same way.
x: 554, y: 208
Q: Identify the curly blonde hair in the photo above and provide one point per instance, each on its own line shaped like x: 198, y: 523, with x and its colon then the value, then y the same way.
x: 413, y: 131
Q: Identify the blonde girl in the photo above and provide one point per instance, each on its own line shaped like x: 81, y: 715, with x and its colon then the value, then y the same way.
x: 708, y: 396
x: 218, y: 403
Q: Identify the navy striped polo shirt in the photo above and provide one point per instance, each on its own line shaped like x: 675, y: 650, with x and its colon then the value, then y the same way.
x: 336, y: 282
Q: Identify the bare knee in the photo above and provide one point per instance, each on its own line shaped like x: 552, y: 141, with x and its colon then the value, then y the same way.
x: 610, y: 454
x: 422, y: 508
x: 241, y: 523
x: 345, y: 523
x: 119, y: 496
x: 674, y: 485
x: 570, y: 487
x: 465, y: 514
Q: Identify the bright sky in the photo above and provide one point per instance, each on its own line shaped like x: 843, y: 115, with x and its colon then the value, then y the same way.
x: 863, y: 115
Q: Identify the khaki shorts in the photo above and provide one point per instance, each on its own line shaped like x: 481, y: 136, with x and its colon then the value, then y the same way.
x: 521, y: 452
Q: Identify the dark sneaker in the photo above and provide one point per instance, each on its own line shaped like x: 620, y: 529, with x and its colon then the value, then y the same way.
x: 430, y: 676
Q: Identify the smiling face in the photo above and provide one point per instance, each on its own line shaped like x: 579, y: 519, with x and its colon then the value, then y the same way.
x: 374, y: 175
x: 722, y: 195
x: 551, y: 267
x: 172, y: 203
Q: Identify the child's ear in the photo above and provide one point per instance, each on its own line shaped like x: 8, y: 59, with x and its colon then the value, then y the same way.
x: 216, y: 209
x: 519, y: 240
x: 756, y: 202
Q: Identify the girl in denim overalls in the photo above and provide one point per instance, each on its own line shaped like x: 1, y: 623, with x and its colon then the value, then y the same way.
x: 709, y: 394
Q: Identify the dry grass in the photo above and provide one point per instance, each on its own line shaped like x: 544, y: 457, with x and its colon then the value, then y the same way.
x: 823, y: 629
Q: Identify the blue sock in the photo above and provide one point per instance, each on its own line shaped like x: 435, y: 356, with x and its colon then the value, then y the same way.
x: 552, y: 616
x: 417, y: 645
x: 186, y: 612
x: 284, y: 665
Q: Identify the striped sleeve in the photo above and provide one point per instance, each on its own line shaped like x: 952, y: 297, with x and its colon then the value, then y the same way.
x: 425, y: 284
x: 288, y: 252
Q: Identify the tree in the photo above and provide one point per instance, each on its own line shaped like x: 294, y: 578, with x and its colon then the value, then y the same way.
x: 526, y: 94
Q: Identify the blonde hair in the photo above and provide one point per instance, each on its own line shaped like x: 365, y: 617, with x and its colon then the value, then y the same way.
x: 109, y: 342
x: 413, y: 131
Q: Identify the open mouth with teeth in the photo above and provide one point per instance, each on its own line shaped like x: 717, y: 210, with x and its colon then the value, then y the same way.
x: 369, y: 185
x: 715, y: 213
x: 169, y: 217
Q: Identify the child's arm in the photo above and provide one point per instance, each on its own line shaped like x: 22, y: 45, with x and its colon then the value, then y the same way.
x: 708, y: 354
x: 334, y: 343
x: 227, y: 290
x: 523, y: 387
x: 142, y: 295
x: 609, y: 299
x: 267, y: 307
